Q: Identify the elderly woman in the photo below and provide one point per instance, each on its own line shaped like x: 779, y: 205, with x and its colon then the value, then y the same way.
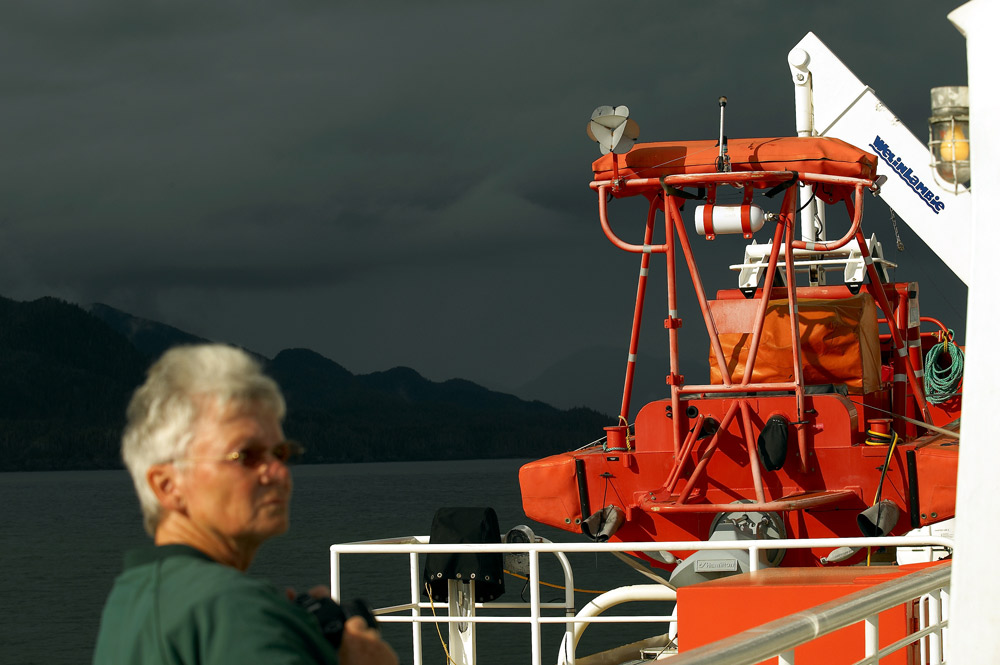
x: 206, y: 452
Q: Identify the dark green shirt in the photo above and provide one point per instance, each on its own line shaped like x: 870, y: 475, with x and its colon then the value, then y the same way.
x: 174, y: 605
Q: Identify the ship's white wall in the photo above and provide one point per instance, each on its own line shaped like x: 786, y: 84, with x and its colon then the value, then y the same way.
x: 975, y: 606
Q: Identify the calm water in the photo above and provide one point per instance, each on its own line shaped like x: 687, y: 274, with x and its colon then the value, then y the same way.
x: 65, y: 532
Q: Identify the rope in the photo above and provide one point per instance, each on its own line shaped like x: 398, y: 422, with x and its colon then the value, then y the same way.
x: 943, y: 382
x: 554, y: 586
x: 444, y: 645
x: 919, y: 423
x: 628, y: 439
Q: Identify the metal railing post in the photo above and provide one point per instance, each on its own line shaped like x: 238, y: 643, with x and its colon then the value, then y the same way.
x: 782, y: 635
x: 934, y: 619
x: 923, y: 621
x: 536, y: 612
x: 335, y: 576
x: 871, y: 637
x: 754, y: 558
x: 945, y: 612
x: 418, y: 652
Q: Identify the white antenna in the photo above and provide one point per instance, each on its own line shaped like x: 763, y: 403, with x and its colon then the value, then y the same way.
x: 611, y: 127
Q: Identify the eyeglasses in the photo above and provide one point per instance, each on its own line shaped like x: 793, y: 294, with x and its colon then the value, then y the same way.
x: 253, y: 457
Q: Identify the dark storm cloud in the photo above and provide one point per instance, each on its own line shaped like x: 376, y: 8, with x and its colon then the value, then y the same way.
x: 418, y: 170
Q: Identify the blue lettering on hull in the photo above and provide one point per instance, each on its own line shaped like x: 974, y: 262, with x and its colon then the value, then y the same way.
x: 905, y: 173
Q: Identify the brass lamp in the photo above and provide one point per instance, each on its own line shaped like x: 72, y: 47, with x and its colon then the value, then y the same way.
x: 949, y: 137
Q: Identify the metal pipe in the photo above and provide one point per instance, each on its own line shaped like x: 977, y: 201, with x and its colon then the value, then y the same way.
x: 418, y: 651
x: 783, y: 386
x: 855, y: 211
x: 640, y: 297
x: 335, y: 576
x: 934, y: 617
x: 871, y: 638
x: 793, y: 317
x: 787, y: 209
x: 536, y: 611
x: 923, y: 319
x: 617, y: 596
x: 688, y: 179
x: 680, y: 460
x: 897, y: 338
x: 675, y: 321
x: 602, y: 207
x: 699, y: 289
x: 707, y: 455
x: 702, y: 178
x: 758, y: 483
x: 424, y: 547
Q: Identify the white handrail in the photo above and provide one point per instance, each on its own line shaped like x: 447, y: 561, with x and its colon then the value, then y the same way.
x: 416, y: 545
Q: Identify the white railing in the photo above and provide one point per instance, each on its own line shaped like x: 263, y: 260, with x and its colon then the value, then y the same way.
x: 419, y: 611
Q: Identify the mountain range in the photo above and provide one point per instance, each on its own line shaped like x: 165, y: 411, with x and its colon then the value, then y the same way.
x: 69, y: 372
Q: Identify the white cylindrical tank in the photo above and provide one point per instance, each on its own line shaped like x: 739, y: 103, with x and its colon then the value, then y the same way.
x: 712, y: 220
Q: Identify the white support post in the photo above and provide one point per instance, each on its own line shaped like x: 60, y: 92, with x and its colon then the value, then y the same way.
x: 418, y: 653
x: 335, y: 576
x: 871, y: 638
x: 462, y: 635
x: 923, y: 621
x: 933, y: 619
x: 536, y: 610
x: 945, y: 616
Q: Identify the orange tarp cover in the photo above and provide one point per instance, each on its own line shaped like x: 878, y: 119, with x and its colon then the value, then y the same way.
x: 822, y: 155
x: 839, y: 341
x: 550, y: 493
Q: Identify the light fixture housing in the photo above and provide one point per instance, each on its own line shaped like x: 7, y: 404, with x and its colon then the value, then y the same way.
x: 949, y: 137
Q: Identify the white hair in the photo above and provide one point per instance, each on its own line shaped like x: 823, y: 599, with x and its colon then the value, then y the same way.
x: 162, y: 414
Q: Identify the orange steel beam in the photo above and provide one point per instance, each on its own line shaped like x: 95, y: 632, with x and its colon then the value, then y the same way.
x: 707, y: 455
x: 640, y: 297
x: 801, y: 501
x: 738, y: 177
x: 758, y: 483
x: 777, y: 387
x: 699, y: 289
x: 673, y: 322
x: 793, y: 318
x: 680, y: 461
x: 787, y: 209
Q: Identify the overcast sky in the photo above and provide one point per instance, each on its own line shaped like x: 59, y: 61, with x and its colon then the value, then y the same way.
x: 395, y: 183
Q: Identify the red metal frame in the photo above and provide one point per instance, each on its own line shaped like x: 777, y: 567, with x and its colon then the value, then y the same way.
x: 666, y: 472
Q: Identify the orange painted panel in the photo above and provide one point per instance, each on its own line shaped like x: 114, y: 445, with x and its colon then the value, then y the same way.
x: 721, y: 608
x: 937, y: 480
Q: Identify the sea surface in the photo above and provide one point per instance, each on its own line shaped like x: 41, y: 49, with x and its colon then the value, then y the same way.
x: 64, y: 533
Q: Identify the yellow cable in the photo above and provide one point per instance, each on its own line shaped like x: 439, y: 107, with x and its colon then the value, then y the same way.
x: 427, y: 588
x: 554, y: 586
x: 878, y: 492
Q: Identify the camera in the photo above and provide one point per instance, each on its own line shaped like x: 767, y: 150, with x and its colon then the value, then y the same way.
x: 332, y: 616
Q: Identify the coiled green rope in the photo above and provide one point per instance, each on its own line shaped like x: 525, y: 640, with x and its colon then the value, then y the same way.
x: 942, y: 382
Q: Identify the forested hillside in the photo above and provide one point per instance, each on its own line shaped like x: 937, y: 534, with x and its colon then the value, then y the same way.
x: 68, y: 374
